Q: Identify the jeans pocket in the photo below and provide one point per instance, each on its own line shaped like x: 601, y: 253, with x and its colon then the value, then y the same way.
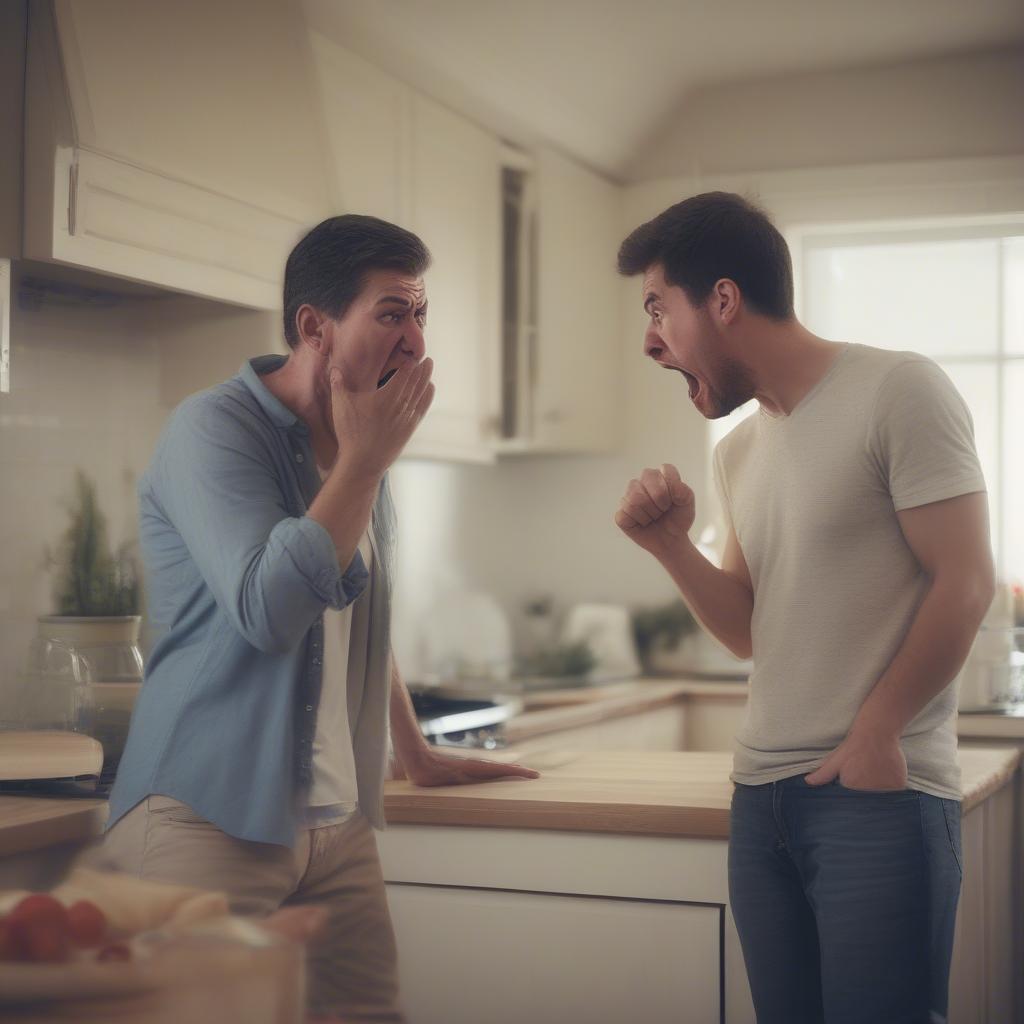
x: 166, y: 808
x: 951, y: 816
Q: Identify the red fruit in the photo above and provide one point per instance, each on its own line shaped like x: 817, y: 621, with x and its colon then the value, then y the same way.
x: 8, y: 949
x: 115, y: 951
x: 40, y: 908
x: 87, y: 924
x: 40, y: 942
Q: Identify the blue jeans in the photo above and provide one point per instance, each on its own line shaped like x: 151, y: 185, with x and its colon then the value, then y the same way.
x: 845, y: 901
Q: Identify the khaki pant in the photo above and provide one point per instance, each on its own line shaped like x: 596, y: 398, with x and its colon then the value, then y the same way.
x: 352, y: 963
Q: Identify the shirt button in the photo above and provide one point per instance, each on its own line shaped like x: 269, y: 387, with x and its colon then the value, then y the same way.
x: 316, y: 661
x: 299, y: 457
x: 309, y: 707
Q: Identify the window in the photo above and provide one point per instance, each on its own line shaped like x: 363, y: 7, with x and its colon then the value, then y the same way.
x: 956, y: 296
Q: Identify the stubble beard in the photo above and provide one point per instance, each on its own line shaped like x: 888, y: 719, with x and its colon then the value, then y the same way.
x: 733, y: 387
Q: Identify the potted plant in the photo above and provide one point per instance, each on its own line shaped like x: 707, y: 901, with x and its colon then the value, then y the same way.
x: 92, y: 642
x: 661, y: 633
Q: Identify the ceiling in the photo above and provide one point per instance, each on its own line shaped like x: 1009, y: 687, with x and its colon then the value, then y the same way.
x: 599, y: 76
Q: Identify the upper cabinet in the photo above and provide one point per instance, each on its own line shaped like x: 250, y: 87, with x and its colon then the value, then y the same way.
x: 456, y: 210
x: 402, y: 157
x: 576, y: 352
x: 178, y: 144
x: 368, y: 119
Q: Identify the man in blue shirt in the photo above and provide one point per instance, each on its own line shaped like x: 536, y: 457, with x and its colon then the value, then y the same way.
x: 258, y: 746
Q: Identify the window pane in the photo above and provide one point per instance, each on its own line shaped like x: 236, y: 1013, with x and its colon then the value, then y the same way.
x: 1013, y: 284
x: 939, y: 298
x: 1013, y: 472
x: 979, y: 385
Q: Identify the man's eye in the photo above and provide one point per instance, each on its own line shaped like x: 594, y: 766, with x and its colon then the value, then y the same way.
x: 393, y: 318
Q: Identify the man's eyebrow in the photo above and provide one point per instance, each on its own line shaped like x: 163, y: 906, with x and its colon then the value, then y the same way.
x: 397, y: 299
x: 651, y: 297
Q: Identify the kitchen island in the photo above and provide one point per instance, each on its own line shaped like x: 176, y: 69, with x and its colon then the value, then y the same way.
x: 599, y: 893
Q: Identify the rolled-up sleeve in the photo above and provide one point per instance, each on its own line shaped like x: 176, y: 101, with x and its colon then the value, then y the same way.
x: 271, y: 573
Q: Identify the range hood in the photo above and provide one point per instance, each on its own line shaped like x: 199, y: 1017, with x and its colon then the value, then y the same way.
x: 178, y: 144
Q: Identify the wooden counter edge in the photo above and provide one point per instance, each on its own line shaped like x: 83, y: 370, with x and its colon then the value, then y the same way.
x: 32, y: 823
x: 569, y: 816
x: 1005, y: 763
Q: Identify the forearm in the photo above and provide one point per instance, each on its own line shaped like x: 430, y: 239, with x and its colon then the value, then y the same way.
x: 344, y: 505
x: 721, y: 603
x: 933, y: 651
x: 410, y: 746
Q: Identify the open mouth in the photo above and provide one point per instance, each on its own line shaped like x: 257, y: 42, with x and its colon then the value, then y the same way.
x: 387, y: 376
x: 692, y: 382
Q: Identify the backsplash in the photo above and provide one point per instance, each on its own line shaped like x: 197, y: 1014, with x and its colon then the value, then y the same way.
x: 85, y: 395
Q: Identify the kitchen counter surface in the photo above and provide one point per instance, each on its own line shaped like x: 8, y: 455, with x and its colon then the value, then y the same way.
x: 32, y: 823
x: 627, y: 792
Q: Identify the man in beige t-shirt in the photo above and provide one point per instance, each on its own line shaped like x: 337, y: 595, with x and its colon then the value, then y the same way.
x: 856, y: 572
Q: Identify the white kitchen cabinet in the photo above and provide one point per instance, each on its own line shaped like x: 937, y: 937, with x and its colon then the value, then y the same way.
x: 661, y: 728
x: 402, y: 157
x: 511, y: 925
x: 368, y: 118
x: 712, y: 722
x: 504, y: 957
x: 456, y: 207
x: 176, y: 144
x: 987, y: 983
x: 577, y: 351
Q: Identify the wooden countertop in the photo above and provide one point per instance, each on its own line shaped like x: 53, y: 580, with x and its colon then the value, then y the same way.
x: 31, y: 823
x: 629, y: 792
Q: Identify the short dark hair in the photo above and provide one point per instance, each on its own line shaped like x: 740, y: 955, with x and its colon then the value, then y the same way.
x: 328, y: 267
x: 712, y: 236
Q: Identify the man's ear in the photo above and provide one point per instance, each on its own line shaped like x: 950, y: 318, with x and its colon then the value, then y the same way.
x: 310, y: 325
x: 725, y: 300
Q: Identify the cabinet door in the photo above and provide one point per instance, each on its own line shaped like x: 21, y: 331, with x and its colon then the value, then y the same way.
x: 577, y: 353
x: 367, y: 117
x: 472, y: 955
x: 456, y: 208
x: 657, y: 729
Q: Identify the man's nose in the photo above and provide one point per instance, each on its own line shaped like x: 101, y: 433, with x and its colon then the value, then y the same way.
x: 653, y: 345
x: 413, y: 342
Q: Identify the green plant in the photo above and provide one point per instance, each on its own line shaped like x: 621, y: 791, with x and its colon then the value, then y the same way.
x: 661, y: 627
x: 566, y: 660
x: 90, y: 579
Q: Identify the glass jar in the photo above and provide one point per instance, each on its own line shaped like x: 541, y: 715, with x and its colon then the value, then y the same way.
x: 994, y: 672
x: 84, y: 674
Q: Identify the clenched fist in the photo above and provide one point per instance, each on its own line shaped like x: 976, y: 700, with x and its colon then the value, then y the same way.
x: 657, y: 510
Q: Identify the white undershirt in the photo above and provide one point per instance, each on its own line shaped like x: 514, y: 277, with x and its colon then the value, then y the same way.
x: 334, y: 793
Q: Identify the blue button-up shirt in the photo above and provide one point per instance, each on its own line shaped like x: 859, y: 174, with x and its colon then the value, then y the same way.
x: 238, y: 577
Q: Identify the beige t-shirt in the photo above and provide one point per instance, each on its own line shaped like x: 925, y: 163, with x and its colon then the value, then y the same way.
x: 813, y: 497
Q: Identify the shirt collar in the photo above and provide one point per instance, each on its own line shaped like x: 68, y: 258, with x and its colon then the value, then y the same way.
x: 251, y: 376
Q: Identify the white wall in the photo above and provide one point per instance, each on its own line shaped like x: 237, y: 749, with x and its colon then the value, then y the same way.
x: 954, y: 107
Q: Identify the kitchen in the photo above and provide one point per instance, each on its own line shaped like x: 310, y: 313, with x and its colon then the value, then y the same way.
x: 146, y: 238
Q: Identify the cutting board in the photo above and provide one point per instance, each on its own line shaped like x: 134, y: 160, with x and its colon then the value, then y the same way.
x: 48, y: 755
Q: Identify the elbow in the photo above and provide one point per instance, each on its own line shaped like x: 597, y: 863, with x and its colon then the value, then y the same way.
x: 265, y: 639
x: 258, y: 630
x: 971, y: 594
x: 742, y: 649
